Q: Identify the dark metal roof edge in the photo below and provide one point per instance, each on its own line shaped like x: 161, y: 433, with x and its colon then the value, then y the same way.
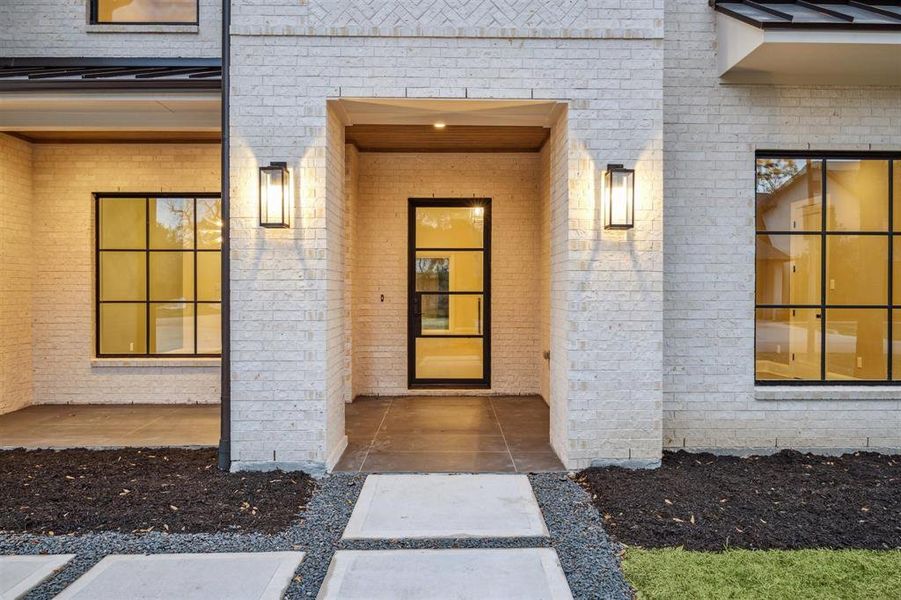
x: 44, y: 85
x: 136, y: 62
x: 722, y: 6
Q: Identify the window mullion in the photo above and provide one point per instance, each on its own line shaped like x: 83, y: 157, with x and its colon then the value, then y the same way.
x: 823, y: 271
x: 147, y: 275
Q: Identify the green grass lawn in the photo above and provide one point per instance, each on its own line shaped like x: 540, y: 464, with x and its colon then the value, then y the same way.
x: 674, y: 573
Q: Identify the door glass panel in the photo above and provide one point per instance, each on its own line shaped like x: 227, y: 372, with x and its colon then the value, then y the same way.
x: 123, y: 328
x: 123, y: 223
x: 789, y: 194
x: 452, y: 314
x: 171, y: 275
x: 788, y: 343
x: 857, y: 195
x: 172, y: 223
x: 453, y: 271
x: 172, y: 328
x: 123, y: 276
x: 788, y: 269
x: 449, y: 358
x: 856, y: 343
x: 449, y: 227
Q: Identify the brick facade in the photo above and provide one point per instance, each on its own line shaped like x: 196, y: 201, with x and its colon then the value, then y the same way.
x: 386, y: 181
x: 710, y: 134
x: 16, y: 273
x: 650, y: 332
x: 57, y: 341
x: 56, y: 28
x: 286, y: 389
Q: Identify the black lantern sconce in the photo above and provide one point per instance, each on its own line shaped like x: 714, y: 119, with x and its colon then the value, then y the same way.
x: 275, y: 195
x: 619, y: 197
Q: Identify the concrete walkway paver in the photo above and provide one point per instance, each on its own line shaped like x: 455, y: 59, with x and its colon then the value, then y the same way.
x: 446, y: 506
x: 18, y: 574
x: 496, y: 574
x: 233, y: 576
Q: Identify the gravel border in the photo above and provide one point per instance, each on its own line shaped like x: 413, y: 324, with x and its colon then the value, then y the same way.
x: 588, y: 557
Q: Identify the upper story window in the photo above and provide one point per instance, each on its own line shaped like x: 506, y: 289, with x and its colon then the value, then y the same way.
x: 170, y: 12
x: 159, y: 286
x: 828, y: 274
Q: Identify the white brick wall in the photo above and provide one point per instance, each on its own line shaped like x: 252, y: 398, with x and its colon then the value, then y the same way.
x: 711, y: 132
x: 64, y: 178
x: 16, y: 273
x: 56, y: 28
x: 281, y: 280
x: 386, y: 182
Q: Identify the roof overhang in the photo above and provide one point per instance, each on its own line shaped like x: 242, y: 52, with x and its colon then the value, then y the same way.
x: 775, y: 51
x: 91, y: 73
x: 83, y: 99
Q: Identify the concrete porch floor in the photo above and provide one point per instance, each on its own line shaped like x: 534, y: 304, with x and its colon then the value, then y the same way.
x: 116, y: 426
x: 504, y: 434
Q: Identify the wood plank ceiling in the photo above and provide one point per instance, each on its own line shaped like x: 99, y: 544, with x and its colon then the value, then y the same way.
x: 452, y: 138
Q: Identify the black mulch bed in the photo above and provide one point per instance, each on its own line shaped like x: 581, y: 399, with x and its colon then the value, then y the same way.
x: 140, y: 490
x: 788, y: 500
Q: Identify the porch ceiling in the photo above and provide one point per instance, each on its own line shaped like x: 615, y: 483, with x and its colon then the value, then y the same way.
x: 452, y: 138
x: 111, y: 116
x: 426, y: 111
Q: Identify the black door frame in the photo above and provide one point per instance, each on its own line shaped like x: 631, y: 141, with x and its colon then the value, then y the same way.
x: 413, y: 323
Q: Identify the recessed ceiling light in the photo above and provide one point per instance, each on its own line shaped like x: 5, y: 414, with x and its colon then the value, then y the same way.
x: 440, y: 125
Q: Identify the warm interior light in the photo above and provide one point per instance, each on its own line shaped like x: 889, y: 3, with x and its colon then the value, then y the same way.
x: 440, y: 125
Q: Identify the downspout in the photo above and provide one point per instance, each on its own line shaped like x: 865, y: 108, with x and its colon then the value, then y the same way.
x: 225, y: 385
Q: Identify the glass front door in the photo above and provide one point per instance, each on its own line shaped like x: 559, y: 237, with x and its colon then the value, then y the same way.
x: 449, y: 288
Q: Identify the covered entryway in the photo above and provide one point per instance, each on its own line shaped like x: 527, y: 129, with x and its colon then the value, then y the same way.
x: 110, y: 268
x: 449, y: 433
x: 447, y: 283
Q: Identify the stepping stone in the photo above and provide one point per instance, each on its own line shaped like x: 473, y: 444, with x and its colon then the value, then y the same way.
x: 445, y: 506
x: 18, y: 574
x: 517, y: 574
x: 233, y: 576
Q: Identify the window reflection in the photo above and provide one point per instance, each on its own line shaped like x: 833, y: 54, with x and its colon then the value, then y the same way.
x: 171, y: 223
x: 823, y: 295
x: 149, y: 291
x: 789, y: 195
x: 788, y: 269
x: 788, y: 343
x: 857, y: 195
x: 146, y: 11
x: 856, y: 341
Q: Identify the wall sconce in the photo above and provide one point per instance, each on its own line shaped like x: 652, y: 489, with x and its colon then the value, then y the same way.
x: 619, y: 197
x: 275, y: 195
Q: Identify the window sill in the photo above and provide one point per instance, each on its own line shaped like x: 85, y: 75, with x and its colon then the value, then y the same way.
x: 149, y: 28
x: 104, y: 363
x: 815, y: 392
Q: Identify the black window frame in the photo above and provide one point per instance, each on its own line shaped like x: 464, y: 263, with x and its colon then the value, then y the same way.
x: 891, y: 303
x: 95, y: 18
x: 98, y: 197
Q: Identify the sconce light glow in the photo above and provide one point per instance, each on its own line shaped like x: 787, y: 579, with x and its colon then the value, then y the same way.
x: 276, y: 191
x: 440, y: 125
x: 619, y: 197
